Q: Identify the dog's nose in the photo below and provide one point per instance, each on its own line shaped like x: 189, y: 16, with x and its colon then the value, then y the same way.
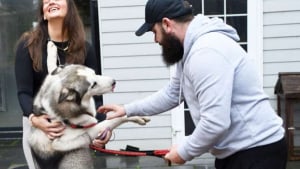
x: 114, y: 83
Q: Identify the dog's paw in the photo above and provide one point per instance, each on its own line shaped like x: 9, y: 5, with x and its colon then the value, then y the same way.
x: 146, y: 118
x: 141, y: 120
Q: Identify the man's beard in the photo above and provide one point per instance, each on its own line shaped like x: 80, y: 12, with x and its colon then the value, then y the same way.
x: 172, y: 49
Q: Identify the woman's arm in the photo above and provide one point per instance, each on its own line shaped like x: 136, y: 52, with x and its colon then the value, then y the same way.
x: 24, y: 75
x: 24, y: 78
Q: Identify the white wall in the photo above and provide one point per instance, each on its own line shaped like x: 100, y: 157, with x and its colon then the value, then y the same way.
x: 281, y: 31
x: 135, y: 63
x: 281, y: 47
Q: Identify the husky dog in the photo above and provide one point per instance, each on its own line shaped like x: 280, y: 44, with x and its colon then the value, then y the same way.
x: 66, y: 95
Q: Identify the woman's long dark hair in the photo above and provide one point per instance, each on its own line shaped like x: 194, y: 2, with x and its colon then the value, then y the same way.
x: 72, y: 26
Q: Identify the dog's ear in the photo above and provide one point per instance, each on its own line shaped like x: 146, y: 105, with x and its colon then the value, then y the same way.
x: 57, y: 70
x: 69, y: 95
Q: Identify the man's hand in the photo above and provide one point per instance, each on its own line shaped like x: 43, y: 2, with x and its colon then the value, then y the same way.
x: 173, y: 156
x: 112, y: 111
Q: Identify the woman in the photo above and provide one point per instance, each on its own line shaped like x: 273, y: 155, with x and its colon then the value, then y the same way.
x: 58, y: 21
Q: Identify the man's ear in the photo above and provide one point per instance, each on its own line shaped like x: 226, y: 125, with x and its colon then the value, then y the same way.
x: 166, y: 25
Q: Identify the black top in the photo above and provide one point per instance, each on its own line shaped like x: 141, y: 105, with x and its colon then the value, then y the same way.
x: 29, y: 81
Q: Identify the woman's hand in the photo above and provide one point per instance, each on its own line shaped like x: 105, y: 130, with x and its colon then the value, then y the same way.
x: 100, y: 142
x: 52, y: 129
x: 173, y: 156
x: 112, y: 111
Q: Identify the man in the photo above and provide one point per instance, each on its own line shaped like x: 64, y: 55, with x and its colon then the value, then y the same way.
x: 218, y: 81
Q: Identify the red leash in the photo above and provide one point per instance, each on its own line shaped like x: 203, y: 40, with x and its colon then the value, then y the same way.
x: 130, y: 150
x: 156, y: 153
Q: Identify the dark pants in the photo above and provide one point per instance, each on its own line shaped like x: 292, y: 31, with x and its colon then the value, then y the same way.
x: 271, y: 156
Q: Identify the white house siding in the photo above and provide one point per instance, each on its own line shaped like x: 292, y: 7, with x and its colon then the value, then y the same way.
x: 135, y: 63
x: 281, y: 47
x: 281, y: 39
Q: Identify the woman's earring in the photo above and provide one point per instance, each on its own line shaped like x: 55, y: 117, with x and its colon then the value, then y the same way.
x: 45, y: 18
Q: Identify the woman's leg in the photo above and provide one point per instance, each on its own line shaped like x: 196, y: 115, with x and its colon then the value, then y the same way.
x: 26, y: 147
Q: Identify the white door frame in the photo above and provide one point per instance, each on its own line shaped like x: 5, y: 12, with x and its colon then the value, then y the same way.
x: 255, y: 33
x: 255, y: 50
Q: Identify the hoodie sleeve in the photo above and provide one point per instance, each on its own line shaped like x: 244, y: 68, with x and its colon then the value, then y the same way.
x: 159, y: 102
x: 212, y: 80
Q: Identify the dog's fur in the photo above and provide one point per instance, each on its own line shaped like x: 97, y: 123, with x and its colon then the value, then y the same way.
x: 67, y: 96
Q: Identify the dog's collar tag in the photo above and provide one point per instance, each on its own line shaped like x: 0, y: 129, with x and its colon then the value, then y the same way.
x: 76, y: 126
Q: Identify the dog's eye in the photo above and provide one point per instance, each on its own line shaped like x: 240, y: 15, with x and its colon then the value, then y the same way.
x: 94, y: 84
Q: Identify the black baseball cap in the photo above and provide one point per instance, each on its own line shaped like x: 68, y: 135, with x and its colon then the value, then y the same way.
x: 157, y: 9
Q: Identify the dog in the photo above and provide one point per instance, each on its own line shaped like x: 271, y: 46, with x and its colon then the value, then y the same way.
x: 66, y: 95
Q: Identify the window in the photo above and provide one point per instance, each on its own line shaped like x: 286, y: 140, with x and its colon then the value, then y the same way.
x: 16, y: 16
x: 233, y: 12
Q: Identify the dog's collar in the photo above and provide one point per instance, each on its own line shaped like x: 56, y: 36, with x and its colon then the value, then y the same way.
x: 77, y: 126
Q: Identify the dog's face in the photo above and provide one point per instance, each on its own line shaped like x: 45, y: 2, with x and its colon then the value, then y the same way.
x: 97, y: 85
x: 67, y: 92
x: 80, y: 82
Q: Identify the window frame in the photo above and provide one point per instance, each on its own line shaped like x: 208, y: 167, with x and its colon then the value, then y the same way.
x: 2, y: 94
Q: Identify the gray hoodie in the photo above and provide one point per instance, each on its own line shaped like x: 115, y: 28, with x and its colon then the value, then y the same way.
x: 221, y: 86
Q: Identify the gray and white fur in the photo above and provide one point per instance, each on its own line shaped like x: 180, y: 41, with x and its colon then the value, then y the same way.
x: 67, y: 95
